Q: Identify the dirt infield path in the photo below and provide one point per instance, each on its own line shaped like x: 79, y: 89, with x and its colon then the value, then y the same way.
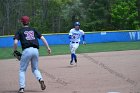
x: 95, y: 73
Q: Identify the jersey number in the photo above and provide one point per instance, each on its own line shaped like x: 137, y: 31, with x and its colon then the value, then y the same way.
x: 76, y: 36
x: 29, y: 35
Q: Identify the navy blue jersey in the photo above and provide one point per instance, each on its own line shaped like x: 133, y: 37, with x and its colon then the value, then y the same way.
x: 28, y: 37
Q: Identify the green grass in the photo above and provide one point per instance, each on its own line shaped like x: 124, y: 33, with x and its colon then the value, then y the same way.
x: 6, y: 53
x: 105, y: 47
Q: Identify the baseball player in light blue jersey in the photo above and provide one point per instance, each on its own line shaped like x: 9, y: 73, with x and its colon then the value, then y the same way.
x: 74, y: 35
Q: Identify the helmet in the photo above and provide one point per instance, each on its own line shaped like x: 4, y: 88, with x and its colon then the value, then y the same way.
x: 77, y: 24
x: 25, y: 19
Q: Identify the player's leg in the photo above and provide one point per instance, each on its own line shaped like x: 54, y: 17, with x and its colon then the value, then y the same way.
x: 75, y: 57
x: 73, y: 48
x: 24, y: 62
x: 34, y: 63
x: 72, y: 52
x: 35, y: 70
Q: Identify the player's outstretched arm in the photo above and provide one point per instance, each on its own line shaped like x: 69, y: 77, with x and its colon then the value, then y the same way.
x: 46, y: 44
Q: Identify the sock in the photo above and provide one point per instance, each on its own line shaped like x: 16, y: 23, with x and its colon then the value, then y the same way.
x: 72, y: 56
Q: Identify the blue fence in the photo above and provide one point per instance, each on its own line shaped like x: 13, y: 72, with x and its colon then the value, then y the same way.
x: 58, y: 39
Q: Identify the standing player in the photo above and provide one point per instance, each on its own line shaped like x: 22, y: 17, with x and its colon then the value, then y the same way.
x: 74, y: 35
x: 29, y: 41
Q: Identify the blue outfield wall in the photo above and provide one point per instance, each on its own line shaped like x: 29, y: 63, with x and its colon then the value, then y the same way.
x: 99, y: 37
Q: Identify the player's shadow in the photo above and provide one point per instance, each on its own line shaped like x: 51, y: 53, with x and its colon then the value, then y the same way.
x: 71, y: 66
x: 16, y: 91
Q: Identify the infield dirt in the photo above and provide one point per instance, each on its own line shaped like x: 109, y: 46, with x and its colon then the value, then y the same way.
x: 102, y: 72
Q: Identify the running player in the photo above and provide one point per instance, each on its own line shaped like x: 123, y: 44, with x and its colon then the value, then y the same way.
x: 74, y: 35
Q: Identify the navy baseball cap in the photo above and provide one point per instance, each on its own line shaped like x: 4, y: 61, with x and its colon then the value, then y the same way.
x: 77, y: 24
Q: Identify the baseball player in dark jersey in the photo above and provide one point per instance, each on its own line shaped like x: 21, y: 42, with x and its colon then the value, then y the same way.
x: 29, y: 41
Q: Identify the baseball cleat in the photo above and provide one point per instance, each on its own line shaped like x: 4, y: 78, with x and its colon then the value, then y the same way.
x: 42, y: 84
x: 71, y: 62
x: 21, y: 90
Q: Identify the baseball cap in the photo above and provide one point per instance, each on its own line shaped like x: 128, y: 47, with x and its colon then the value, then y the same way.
x: 25, y: 19
x: 77, y: 24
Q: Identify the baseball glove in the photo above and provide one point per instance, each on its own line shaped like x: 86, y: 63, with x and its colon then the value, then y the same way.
x: 17, y: 54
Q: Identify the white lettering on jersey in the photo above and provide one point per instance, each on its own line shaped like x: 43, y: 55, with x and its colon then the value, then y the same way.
x: 29, y: 35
